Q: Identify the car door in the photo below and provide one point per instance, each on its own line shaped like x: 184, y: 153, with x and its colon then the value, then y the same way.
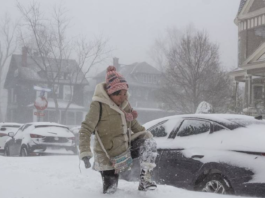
x: 161, y: 131
x: 183, y: 158
x: 3, y: 137
x: 4, y: 130
x: 15, y: 143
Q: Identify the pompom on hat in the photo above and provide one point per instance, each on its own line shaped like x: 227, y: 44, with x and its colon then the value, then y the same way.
x: 114, y: 81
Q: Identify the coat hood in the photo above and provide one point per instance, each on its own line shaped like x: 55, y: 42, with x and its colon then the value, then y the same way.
x: 101, y: 95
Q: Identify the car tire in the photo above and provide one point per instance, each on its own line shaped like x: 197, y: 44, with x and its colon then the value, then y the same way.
x: 24, y: 152
x: 6, y: 151
x: 215, y: 183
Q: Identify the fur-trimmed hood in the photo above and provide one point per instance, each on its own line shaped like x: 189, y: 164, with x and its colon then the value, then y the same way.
x: 101, y: 95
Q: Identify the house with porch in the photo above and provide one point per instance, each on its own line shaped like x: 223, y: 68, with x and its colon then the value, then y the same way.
x: 25, y: 73
x: 250, y: 20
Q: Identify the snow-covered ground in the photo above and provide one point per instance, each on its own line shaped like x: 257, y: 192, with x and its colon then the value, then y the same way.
x: 60, y: 177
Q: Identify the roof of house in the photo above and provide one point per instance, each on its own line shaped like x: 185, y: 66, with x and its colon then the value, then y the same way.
x: 35, y: 65
x: 241, y: 5
x: 130, y: 72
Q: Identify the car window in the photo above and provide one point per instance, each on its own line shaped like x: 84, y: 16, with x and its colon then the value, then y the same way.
x: 26, y: 126
x: 165, y: 127
x: 158, y: 130
x: 217, y: 127
x: 193, y: 127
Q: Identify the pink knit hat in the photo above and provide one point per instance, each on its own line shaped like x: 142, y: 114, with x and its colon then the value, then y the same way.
x: 115, y: 81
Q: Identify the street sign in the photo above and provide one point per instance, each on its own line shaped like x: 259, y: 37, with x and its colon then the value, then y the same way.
x: 39, y: 114
x: 41, y: 103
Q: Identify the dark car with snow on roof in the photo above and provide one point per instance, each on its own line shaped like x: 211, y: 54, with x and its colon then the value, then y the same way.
x: 209, y: 152
x: 40, y: 138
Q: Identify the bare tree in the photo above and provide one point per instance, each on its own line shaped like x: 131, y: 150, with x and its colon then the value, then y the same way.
x: 7, y: 48
x: 53, y: 51
x: 192, y: 72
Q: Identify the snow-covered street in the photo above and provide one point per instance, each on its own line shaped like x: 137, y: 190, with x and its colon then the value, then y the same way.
x: 59, y: 177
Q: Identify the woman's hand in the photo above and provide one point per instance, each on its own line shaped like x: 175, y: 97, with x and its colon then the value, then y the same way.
x: 86, y: 161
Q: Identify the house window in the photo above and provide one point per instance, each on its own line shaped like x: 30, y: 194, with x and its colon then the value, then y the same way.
x: 49, y: 116
x: 67, y: 92
x: 56, y: 89
x: 79, y: 118
x: 13, y: 96
x: 60, y: 76
x: 257, y: 92
x: 50, y: 75
x: 66, y: 76
x: 70, y: 118
x: 52, y: 116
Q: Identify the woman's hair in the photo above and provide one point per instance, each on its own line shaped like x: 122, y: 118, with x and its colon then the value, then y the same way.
x: 116, y: 93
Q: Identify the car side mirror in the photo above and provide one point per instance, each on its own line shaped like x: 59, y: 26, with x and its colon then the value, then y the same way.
x: 11, y: 134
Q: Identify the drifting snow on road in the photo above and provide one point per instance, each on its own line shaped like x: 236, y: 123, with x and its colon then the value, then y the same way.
x: 59, y: 177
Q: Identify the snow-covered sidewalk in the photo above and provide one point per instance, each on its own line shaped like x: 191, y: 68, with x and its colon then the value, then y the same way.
x: 59, y: 177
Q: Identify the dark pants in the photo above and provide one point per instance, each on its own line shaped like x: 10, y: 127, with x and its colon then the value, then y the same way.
x: 109, y: 178
x: 110, y: 181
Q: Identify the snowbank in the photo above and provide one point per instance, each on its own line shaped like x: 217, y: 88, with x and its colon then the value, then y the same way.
x: 59, y: 177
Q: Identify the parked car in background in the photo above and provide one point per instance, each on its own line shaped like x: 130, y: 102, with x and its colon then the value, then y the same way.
x: 40, y: 138
x: 207, y: 152
x: 75, y: 131
x: 5, y: 128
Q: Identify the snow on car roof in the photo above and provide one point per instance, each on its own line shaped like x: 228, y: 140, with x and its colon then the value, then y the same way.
x: 46, y: 124
x: 222, y: 118
x: 9, y: 124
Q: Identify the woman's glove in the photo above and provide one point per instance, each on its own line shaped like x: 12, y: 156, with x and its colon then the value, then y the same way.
x: 86, y: 161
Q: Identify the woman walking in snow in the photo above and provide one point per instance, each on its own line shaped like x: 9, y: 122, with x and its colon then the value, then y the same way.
x: 117, y: 131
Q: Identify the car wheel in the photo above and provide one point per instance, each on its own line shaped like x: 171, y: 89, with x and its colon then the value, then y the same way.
x: 215, y: 183
x: 6, y: 151
x: 24, y: 152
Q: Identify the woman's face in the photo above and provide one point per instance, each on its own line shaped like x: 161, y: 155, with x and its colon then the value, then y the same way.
x: 120, y: 98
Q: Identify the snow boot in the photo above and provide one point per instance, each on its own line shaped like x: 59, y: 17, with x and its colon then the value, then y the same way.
x: 110, y: 181
x: 145, y: 181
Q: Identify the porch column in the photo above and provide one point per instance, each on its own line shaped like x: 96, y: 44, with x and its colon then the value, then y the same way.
x: 235, y: 93
x: 250, y: 90
x: 263, y: 92
x: 246, y: 93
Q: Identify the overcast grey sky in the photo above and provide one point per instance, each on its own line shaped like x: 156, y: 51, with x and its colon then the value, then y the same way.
x: 132, y: 25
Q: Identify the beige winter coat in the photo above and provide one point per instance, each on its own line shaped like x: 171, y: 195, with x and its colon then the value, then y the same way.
x: 112, y: 129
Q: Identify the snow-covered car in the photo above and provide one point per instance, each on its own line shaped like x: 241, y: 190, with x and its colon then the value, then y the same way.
x: 40, y: 138
x: 5, y: 128
x: 209, y: 152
